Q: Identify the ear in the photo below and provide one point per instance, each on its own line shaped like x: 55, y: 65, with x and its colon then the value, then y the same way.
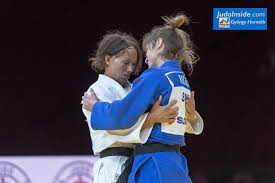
x: 160, y: 44
x: 107, y: 59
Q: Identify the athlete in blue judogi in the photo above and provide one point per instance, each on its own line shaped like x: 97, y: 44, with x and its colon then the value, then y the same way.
x: 160, y: 159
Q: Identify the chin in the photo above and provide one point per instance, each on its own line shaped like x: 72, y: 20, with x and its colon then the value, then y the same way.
x: 123, y: 82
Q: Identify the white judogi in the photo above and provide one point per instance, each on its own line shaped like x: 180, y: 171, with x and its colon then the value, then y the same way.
x: 108, y: 169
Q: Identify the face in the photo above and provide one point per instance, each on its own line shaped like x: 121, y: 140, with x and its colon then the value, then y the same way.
x: 153, y: 54
x: 120, y: 67
x: 150, y: 56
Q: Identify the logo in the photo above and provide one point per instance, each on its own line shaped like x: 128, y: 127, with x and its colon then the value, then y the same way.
x: 75, y: 172
x: 10, y: 173
x: 240, y: 18
x: 224, y: 22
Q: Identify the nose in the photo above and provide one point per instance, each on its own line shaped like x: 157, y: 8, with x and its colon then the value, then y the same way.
x: 130, y: 68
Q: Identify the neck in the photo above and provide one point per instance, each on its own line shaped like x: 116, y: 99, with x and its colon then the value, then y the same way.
x: 110, y: 76
x: 160, y: 62
x: 106, y: 73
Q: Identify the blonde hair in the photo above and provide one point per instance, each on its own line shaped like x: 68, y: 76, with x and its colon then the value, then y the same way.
x: 178, y: 44
x: 114, y: 44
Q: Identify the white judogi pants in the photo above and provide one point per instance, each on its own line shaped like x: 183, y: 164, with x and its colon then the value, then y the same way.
x: 108, y: 169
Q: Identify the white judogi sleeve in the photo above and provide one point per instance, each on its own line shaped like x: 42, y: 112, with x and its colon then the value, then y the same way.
x: 195, y: 127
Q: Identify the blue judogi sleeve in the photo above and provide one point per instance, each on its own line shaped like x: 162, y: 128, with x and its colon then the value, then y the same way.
x: 123, y: 114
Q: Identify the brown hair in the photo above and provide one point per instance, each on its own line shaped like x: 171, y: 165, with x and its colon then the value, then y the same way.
x: 178, y: 44
x: 112, y: 44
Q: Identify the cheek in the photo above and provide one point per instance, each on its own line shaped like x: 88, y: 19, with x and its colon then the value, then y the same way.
x: 152, y: 55
x: 120, y: 68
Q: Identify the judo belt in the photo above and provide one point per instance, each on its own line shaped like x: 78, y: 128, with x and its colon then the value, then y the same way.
x: 143, y: 149
x: 116, y: 151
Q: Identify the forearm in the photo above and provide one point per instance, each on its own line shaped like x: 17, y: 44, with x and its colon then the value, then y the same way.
x: 106, y: 116
x: 149, y: 122
x: 120, y: 115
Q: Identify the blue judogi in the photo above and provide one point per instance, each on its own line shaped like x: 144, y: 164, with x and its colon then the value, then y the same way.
x: 164, y: 167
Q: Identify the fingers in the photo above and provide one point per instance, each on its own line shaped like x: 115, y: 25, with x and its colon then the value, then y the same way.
x: 86, y: 95
x: 157, y: 104
x: 85, y: 104
x: 171, y: 120
x: 173, y: 113
x: 190, y: 97
x: 172, y: 103
x: 159, y: 100
x: 168, y: 115
x: 84, y: 100
x: 92, y: 91
x: 88, y: 99
x: 173, y: 110
x: 193, y: 95
x: 188, y: 106
x: 170, y: 110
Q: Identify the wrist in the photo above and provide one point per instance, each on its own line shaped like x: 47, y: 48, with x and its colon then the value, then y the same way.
x: 193, y: 118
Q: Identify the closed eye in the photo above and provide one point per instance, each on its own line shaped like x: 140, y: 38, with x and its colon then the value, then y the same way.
x: 125, y: 62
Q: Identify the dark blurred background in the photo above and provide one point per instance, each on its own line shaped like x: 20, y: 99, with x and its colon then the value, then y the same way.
x: 44, y: 72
